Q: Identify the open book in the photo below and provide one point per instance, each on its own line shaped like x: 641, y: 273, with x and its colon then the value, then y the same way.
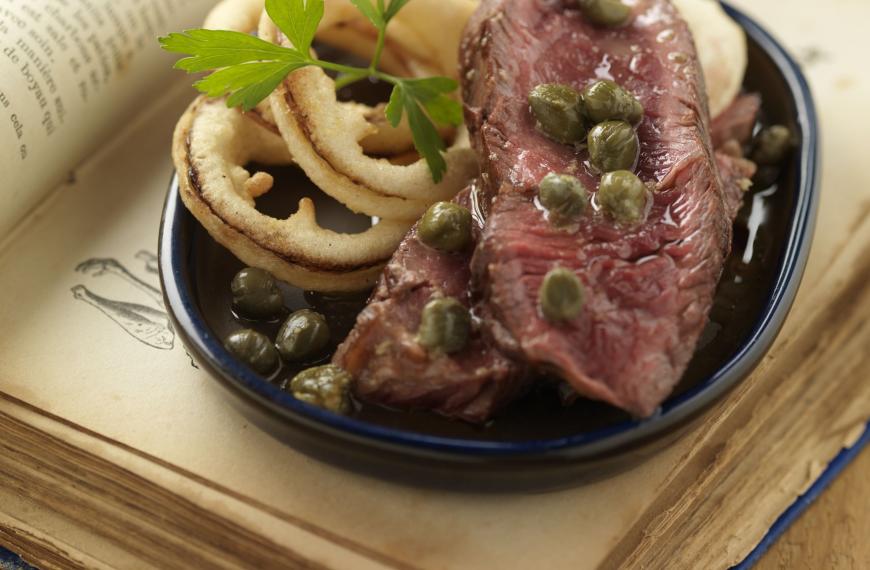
x: 117, y: 452
x: 75, y: 74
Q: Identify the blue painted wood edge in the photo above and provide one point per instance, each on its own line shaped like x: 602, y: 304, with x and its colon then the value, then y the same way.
x: 840, y: 462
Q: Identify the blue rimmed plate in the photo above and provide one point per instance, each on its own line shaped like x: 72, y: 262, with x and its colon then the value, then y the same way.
x: 537, y: 442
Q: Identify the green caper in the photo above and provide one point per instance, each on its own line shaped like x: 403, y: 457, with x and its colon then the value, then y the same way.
x: 613, y: 145
x: 303, y: 335
x: 256, y: 294
x: 558, y: 112
x: 606, y: 100
x: 254, y: 349
x: 325, y: 386
x: 561, y: 295
x: 772, y: 145
x: 563, y: 196
x: 445, y: 325
x: 446, y: 226
x: 609, y: 13
x: 623, y: 196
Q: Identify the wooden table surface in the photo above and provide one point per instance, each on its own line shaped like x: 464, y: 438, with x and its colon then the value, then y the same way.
x: 834, y: 533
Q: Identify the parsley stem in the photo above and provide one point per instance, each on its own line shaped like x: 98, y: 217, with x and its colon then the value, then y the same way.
x: 351, y: 74
x: 346, y: 79
x: 344, y: 69
x: 379, y: 49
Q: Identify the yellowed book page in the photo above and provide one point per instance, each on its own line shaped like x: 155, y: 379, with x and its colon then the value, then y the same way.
x: 71, y: 73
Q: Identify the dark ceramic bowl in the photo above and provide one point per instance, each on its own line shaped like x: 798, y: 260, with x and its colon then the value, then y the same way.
x: 537, y: 442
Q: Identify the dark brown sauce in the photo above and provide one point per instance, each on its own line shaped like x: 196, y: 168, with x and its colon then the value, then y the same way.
x: 760, y: 231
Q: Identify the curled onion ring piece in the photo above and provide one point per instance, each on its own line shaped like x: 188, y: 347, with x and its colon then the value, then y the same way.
x: 211, y: 146
x: 343, y: 28
x: 722, y: 50
x: 422, y: 39
x: 244, y: 16
x: 235, y: 15
x: 324, y: 138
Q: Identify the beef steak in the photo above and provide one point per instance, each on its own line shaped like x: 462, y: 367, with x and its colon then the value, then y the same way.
x: 391, y: 368
x: 736, y: 121
x: 649, y: 287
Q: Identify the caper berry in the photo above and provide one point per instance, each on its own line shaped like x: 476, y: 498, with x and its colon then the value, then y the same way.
x: 446, y: 226
x: 254, y: 349
x: 608, y: 13
x: 561, y: 295
x: 303, y: 335
x: 445, y: 325
x: 613, y: 145
x: 606, y: 100
x: 558, y: 112
x: 324, y: 386
x: 563, y: 196
x: 623, y: 196
x: 772, y: 145
x: 256, y: 294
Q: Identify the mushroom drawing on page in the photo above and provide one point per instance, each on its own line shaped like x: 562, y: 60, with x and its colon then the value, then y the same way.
x: 149, y: 325
x: 99, y: 267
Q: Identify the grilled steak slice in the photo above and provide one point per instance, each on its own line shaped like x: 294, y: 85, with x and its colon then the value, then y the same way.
x: 737, y: 121
x: 731, y: 131
x: 649, y: 288
x: 390, y: 367
x: 736, y: 176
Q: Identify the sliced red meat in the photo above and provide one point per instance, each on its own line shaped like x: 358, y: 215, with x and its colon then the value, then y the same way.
x: 389, y: 366
x: 736, y: 176
x: 737, y: 121
x: 649, y: 287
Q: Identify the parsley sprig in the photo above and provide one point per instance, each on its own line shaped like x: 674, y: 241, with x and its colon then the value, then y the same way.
x: 247, y: 69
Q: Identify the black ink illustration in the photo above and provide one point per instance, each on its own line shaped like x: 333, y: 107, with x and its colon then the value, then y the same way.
x: 98, y: 267
x: 149, y: 325
x: 150, y: 261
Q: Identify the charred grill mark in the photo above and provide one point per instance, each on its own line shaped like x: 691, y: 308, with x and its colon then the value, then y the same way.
x: 193, y: 177
x: 256, y: 116
x: 301, y: 120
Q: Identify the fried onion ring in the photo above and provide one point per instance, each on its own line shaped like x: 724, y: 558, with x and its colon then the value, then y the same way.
x: 342, y: 28
x: 235, y: 15
x: 722, y: 50
x: 421, y: 40
x: 210, y: 148
x: 324, y: 137
x: 244, y: 16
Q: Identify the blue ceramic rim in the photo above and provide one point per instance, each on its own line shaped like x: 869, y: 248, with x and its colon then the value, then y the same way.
x: 590, y: 444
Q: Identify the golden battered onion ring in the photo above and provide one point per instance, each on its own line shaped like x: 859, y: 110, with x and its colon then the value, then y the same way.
x: 343, y: 28
x: 244, y: 16
x: 324, y: 138
x: 235, y: 15
x: 422, y: 40
x: 211, y: 146
x: 722, y: 50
